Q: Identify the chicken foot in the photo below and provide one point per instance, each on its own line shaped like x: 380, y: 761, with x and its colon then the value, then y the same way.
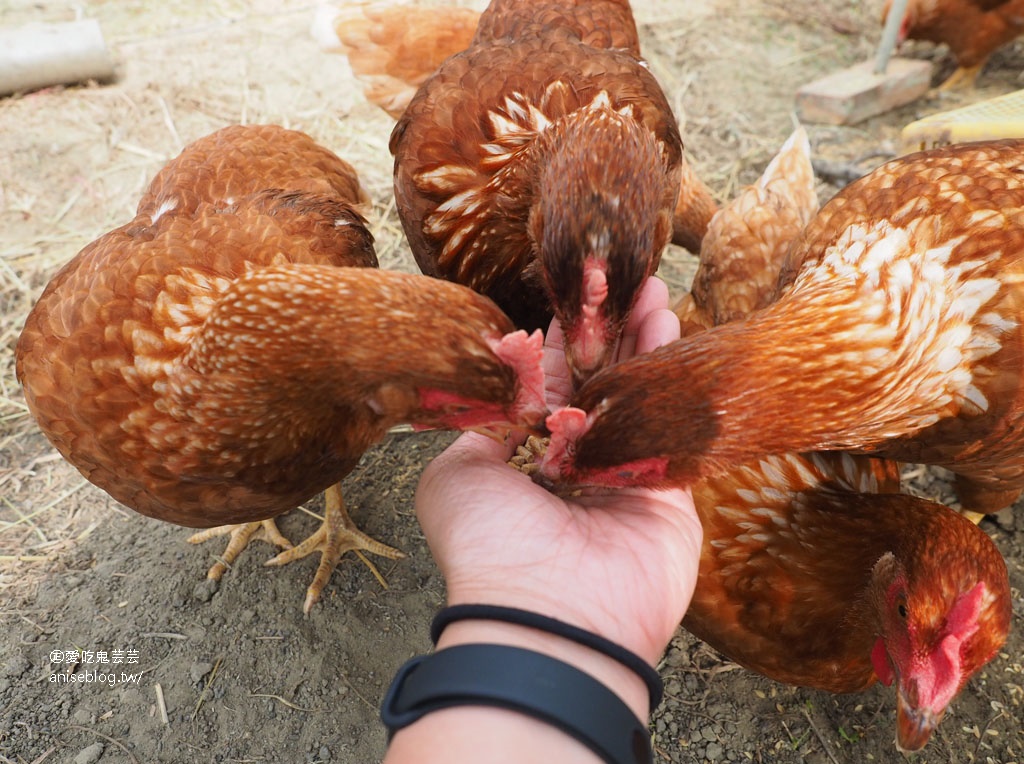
x: 978, y: 500
x: 336, y: 535
x: 962, y: 79
x: 239, y: 537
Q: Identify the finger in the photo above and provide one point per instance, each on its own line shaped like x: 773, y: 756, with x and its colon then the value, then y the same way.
x: 660, y: 328
x: 653, y: 295
x: 557, y: 378
x: 472, y: 460
x: 474, y: 446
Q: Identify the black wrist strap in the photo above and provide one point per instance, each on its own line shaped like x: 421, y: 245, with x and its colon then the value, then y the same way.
x: 521, y: 680
x: 630, y: 660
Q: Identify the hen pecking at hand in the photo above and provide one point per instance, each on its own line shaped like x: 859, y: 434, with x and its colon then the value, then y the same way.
x: 542, y: 167
x: 898, y: 331
x: 973, y: 30
x: 815, y: 570
x: 394, y: 49
x: 219, y: 359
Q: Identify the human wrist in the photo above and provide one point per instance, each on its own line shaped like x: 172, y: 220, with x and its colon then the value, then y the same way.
x: 471, y: 733
x: 644, y: 639
x: 622, y: 681
x: 523, y: 685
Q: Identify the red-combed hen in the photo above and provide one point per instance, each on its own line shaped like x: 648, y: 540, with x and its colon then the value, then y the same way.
x: 973, y: 30
x: 233, y: 350
x: 815, y: 570
x: 543, y: 167
x: 897, y: 331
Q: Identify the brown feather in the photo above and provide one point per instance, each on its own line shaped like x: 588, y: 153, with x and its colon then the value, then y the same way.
x: 790, y: 546
x: 472, y: 147
x: 747, y: 240
x: 222, y: 361
x: 898, y: 330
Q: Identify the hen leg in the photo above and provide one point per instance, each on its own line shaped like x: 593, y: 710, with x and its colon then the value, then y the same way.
x: 239, y: 537
x: 337, y: 535
x: 979, y: 499
x: 963, y: 78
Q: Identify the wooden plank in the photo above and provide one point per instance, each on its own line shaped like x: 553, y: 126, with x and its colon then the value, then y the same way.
x: 857, y: 93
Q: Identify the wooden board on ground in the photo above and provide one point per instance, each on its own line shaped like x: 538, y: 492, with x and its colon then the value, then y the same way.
x: 857, y: 93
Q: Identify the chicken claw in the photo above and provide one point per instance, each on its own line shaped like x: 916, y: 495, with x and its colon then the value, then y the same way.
x: 337, y: 535
x: 963, y: 78
x: 239, y: 537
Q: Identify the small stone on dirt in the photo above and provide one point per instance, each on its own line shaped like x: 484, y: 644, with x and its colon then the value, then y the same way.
x: 82, y: 716
x: 205, y: 590
x: 1004, y: 519
x: 16, y: 665
x: 90, y: 755
x: 198, y: 670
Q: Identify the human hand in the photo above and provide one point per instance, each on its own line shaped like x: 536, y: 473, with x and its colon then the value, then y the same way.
x: 622, y: 564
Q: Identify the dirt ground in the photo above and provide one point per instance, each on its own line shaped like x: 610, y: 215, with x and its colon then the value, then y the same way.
x: 235, y: 672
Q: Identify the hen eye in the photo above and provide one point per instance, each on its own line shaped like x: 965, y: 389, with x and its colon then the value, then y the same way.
x: 902, y: 610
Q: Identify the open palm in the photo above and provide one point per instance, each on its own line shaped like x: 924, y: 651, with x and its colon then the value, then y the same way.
x: 622, y: 564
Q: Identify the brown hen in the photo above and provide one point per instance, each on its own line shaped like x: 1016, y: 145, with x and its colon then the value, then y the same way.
x: 241, y: 160
x: 218, y: 360
x: 898, y: 331
x: 973, y: 30
x: 747, y: 240
x: 393, y: 49
x: 542, y: 167
x: 816, y: 571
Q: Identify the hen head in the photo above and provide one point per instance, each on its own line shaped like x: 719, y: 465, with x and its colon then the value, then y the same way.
x: 502, y: 388
x: 601, y: 219
x: 938, y: 624
x: 909, y: 22
x: 567, y: 427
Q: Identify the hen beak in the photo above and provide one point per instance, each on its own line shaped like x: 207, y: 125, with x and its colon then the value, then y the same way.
x: 914, y: 726
x: 586, y: 361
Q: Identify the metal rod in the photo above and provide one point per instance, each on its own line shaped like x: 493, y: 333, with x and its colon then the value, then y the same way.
x: 892, y: 28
